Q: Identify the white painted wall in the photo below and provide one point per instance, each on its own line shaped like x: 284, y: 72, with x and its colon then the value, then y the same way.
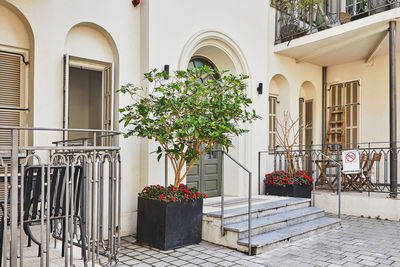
x: 374, y: 79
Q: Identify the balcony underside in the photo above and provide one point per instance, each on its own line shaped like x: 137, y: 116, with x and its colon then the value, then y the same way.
x: 363, y: 39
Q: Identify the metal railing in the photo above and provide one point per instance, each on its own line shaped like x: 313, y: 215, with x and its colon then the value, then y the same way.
x: 223, y: 198
x: 296, y: 18
x: 338, y: 177
x: 306, y: 158
x: 90, y: 217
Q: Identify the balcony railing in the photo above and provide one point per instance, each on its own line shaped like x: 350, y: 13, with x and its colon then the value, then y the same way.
x: 60, y: 201
x: 296, y: 18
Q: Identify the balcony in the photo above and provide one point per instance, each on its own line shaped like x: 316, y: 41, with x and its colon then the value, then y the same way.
x: 297, y: 18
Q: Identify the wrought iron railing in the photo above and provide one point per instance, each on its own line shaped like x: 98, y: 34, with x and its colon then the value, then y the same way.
x: 66, y: 193
x: 296, y: 18
x: 374, y: 160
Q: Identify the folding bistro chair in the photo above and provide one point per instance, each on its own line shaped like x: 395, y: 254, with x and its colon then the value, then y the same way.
x: 57, y: 202
x: 352, y: 179
x: 365, y: 179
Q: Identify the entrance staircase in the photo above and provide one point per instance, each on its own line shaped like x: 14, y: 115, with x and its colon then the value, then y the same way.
x: 274, y: 223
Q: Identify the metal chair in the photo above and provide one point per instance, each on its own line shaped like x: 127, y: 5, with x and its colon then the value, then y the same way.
x: 57, y: 202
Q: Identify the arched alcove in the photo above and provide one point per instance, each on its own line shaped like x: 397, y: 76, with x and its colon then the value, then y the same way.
x: 278, y: 103
x: 307, y: 102
x: 220, y: 59
x: 90, y: 41
x: 16, y: 62
x: 279, y: 88
x: 91, y: 66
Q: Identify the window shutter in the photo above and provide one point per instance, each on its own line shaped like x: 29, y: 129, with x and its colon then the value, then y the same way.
x: 10, y: 94
x: 108, y: 101
x: 65, y: 93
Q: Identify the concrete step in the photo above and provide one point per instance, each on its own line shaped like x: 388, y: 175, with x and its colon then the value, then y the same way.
x: 264, y: 242
x: 235, y: 215
x: 273, y: 222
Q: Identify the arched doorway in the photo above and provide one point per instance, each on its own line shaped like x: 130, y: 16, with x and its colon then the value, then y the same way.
x: 223, y: 52
x: 89, y: 66
x: 206, y: 172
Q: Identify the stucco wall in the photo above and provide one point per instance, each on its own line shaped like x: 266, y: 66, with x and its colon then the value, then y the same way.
x: 114, y: 24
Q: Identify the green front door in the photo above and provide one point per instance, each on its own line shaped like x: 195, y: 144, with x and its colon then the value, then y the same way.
x: 206, y: 174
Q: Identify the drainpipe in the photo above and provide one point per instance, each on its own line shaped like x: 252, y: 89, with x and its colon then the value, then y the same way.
x: 324, y: 89
x: 393, y: 108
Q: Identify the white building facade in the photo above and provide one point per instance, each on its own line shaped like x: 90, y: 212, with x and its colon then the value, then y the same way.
x: 81, y: 52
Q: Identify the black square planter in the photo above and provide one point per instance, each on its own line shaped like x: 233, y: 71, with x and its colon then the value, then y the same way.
x: 169, y: 225
x: 289, y: 191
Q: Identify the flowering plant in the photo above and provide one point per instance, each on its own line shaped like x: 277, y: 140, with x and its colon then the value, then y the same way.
x: 283, y: 179
x: 171, y: 193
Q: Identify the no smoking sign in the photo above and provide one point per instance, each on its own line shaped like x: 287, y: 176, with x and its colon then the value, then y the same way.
x: 350, y: 156
x: 351, y: 161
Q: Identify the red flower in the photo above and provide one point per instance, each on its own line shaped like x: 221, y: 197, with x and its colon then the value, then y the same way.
x: 160, y: 197
x: 205, y: 195
x: 173, y: 199
x: 186, y: 197
x: 135, y: 3
x: 198, y: 194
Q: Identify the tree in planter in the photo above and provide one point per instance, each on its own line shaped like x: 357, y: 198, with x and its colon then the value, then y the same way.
x: 188, y: 114
x: 287, y: 134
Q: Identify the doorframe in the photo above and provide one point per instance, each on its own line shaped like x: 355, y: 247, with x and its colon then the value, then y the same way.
x: 88, y: 64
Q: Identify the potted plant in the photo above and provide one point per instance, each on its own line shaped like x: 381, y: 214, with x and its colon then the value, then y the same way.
x: 187, y: 114
x: 296, y: 18
x: 282, y: 183
x: 288, y: 182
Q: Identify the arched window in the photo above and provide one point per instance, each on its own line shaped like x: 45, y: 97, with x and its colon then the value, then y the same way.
x: 199, y: 61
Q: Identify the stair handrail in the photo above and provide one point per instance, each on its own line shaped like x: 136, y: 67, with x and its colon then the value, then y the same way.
x: 222, y: 196
x: 339, y: 178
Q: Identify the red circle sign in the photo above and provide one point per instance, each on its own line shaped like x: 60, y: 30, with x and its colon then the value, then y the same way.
x: 350, y: 157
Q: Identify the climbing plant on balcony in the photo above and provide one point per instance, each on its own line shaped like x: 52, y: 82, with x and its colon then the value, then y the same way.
x: 189, y: 113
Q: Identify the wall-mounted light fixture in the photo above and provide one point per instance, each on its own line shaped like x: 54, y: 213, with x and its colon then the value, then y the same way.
x: 166, y: 69
x: 260, y: 88
x: 135, y: 2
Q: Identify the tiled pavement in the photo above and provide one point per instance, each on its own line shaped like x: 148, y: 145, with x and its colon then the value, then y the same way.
x: 357, y: 242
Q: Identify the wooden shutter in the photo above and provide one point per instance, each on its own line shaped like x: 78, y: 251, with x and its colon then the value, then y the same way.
x: 301, y: 122
x: 108, y: 101
x: 66, y: 93
x: 272, y: 121
x: 10, y: 94
x: 352, y: 104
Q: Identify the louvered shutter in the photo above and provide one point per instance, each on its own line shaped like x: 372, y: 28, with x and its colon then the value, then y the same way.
x: 66, y: 94
x: 108, y: 101
x: 10, y: 94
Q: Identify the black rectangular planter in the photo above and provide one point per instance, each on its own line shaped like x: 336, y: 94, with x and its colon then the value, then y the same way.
x: 289, y: 191
x: 169, y: 225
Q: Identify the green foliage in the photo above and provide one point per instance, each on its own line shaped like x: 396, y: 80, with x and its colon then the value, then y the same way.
x: 188, y: 114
